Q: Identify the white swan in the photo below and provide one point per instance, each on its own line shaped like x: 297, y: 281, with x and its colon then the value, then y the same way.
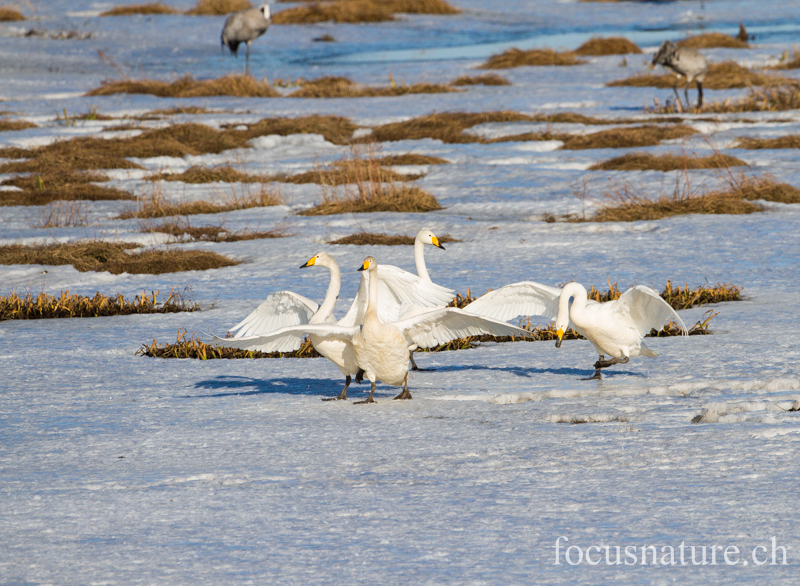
x: 381, y: 349
x: 285, y: 308
x: 615, y: 328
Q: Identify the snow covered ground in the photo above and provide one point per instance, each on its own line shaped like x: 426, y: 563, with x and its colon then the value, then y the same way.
x: 119, y: 469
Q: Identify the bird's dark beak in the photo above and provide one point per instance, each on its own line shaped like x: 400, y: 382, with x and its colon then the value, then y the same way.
x: 437, y: 243
x: 364, y: 266
x: 558, y: 343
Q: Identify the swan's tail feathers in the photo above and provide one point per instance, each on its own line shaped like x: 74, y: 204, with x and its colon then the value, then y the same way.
x: 645, y: 351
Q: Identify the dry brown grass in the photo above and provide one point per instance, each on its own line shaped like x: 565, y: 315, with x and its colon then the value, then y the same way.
x: 607, y: 46
x: 149, y: 8
x: 771, y: 98
x: 155, y: 205
x: 194, y: 348
x: 627, y: 204
x: 635, y: 136
x: 95, y: 255
x: 221, y: 173
x: 182, y: 229
x: 44, y: 306
x: 448, y: 127
x: 487, y: 79
x: 59, y: 214
x: 712, y: 41
x: 355, y: 11
x: 6, y: 124
x: 67, y: 185
x: 412, y: 159
x: 8, y: 14
x: 161, y: 113
x: 789, y: 63
x: 242, y: 86
x: 335, y: 129
x: 537, y: 57
x: 341, y: 87
x: 372, y: 239
x: 218, y: 7
x: 790, y: 141
x: 360, y: 184
x: 721, y: 76
x: 666, y: 162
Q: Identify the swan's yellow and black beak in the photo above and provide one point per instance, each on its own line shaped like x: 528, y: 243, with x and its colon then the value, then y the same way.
x: 312, y: 261
x: 435, y: 241
x: 364, y: 266
x: 560, y: 334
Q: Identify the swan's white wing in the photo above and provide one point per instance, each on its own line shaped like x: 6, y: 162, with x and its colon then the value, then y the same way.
x: 441, y: 325
x: 397, y: 291
x: 287, y: 339
x: 647, y: 309
x: 516, y: 299
x: 279, y: 310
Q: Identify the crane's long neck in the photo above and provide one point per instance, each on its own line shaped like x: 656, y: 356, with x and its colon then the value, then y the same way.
x: 372, y: 298
x: 419, y: 259
x: 325, y: 310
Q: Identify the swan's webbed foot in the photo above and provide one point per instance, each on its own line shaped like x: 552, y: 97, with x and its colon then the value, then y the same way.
x: 415, y: 367
x: 606, y: 363
x: 343, y: 395
x: 368, y: 399
x: 405, y: 394
x: 597, y: 375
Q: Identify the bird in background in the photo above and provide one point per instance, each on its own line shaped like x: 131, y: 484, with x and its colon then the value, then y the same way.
x: 687, y: 63
x: 245, y: 26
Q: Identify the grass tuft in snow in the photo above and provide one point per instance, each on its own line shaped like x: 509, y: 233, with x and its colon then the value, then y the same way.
x: 721, y: 76
x: 666, y: 162
x: 713, y: 41
x: 96, y: 255
x: 608, y: 46
x: 359, y: 183
x: 538, y: 57
x: 371, y: 239
x: 65, y: 184
x: 487, y: 79
x: 8, y: 14
x: 6, y: 124
x: 770, y: 98
x: 149, y: 8
x: 341, y: 87
x: 218, y: 7
x: 44, y: 306
x: 412, y: 159
x: 181, y: 229
x: 194, y: 348
x: 789, y: 141
x: 356, y: 11
x: 243, y: 86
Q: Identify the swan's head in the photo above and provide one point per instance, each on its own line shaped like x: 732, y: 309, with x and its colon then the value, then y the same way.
x: 265, y: 11
x: 568, y: 293
x: 321, y: 259
x: 428, y: 237
x: 369, y: 264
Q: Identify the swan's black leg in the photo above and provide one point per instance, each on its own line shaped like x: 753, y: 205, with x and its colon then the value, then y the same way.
x: 343, y: 395
x: 415, y: 367
x: 368, y: 399
x: 597, y: 374
x: 405, y: 394
x: 360, y: 375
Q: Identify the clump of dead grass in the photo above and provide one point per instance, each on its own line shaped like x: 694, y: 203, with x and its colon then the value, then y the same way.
x: 666, y: 162
x: 335, y: 129
x: 787, y: 62
x: 181, y: 229
x: 67, y: 185
x: 412, y: 159
x: 360, y: 184
x: 356, y: 11
x: 156, y: 205
x: 770, y: 98
x: 789, y: 141
x: 721, y: 76
x: 148, y: 8
x: 537, y: 57
x: 8, y: 14
x: 195, y: 348
x: 487, y: 79
x: 59, y: 214
x: 608, y: 46
x: 712, y: 41
x: 44, y: 306
x: 631, y: 137
x: 187, y: 86
x: 218, y: 7
x: 96, y: 255
x: 341, y: 87
x: 381, y: 239
x: 199, y: 174
x: 448, y: 127
x: 6, y: 124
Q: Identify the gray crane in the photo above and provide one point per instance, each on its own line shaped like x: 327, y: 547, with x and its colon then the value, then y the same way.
x: 687, y: 63
x: 245, y: 26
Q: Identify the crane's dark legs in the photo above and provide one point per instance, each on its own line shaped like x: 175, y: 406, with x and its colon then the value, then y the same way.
x: 699, y: 96
x: 343, y: 395
x: 686, y: 93
x: 368, y: 399
x: 677, y: 97
x: 405, y: 394
x: 247, y: 60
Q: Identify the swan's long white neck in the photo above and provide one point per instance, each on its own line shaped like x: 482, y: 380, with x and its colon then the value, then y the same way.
x: 419, y: 259
x: 372, y: 297
x: 576, y: 311
x: 325, y: 310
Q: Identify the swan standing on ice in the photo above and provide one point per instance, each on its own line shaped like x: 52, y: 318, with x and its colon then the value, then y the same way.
x: 615, y: 328
x: 285, y: 308
x: 381, y: 349
x: 245, y: 26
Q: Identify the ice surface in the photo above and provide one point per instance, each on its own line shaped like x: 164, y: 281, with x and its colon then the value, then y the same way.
x: 121, y: 469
